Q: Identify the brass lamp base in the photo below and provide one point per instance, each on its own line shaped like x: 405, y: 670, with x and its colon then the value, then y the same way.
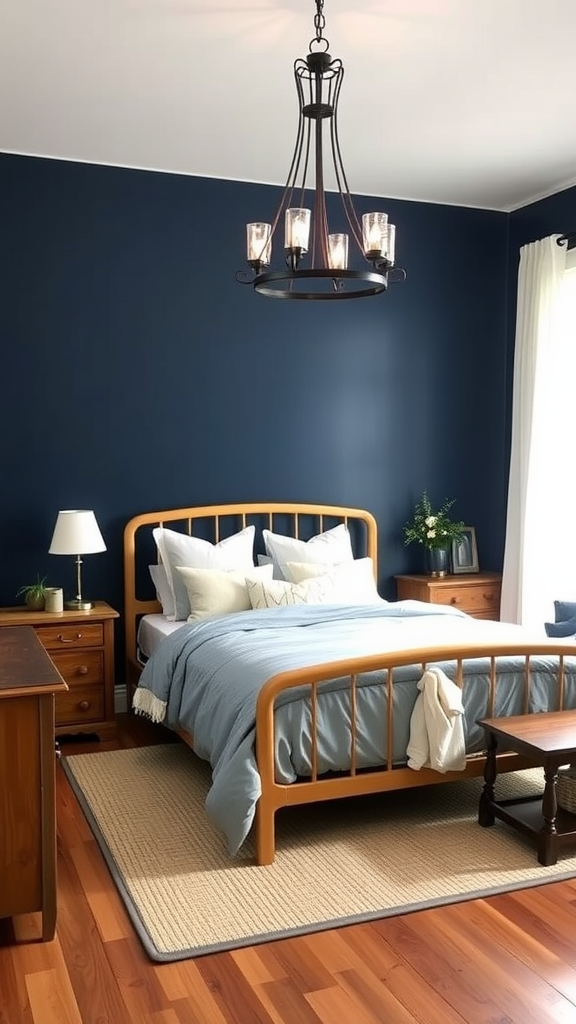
x: 78, y: 604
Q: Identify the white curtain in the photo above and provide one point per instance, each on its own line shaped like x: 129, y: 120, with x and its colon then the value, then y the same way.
x: 540, y: 551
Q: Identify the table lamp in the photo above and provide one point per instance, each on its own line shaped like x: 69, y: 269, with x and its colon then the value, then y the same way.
x: 77, y: 533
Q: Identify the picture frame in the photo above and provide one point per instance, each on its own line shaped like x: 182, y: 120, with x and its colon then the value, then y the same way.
x: 465, y: 552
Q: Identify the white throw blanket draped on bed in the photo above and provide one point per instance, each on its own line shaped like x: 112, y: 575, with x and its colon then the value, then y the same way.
x: 437, y: 725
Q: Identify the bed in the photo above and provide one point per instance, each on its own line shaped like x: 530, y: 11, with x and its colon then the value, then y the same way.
x: 300, y: 702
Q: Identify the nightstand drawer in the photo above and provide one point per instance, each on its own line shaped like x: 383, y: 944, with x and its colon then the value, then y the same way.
x: 80, y: 667
x: 469, y: 599
x: 60, y: 637
x: 80, y: 704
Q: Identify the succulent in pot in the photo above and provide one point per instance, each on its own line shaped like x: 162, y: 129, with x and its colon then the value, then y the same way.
x: 34, y: 594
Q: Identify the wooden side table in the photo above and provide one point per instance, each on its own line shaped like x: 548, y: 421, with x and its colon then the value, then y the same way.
x: 81, y: 645
x: 476, y: 593
x: 548, y: 739
x: 28, y: 684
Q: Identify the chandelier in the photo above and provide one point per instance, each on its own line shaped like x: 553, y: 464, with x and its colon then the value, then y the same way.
x: 316, y: 259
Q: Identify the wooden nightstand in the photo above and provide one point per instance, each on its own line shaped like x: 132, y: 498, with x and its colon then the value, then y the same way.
x: 476, y: 593
x: 81, y: 645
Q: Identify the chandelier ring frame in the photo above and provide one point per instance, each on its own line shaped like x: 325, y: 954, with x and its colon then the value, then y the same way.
x: 374, y: 283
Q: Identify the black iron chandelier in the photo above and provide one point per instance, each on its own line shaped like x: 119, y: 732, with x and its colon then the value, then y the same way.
x: 317, y: 259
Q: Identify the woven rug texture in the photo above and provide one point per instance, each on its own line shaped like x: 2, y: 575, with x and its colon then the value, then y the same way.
x: 336, y: 863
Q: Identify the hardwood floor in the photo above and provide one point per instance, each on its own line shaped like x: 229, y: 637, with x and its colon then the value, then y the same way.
x: 509, y: 959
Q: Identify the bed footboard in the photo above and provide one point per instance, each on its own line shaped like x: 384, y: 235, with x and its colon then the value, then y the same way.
x: 559, y: 662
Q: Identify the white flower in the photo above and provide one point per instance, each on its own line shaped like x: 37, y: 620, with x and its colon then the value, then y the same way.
x: 430, y: 521
x: 431, y: 533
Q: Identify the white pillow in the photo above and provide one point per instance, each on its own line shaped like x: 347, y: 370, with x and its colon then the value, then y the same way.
x: 217, y: 592
x: 162, y: 587
x: 235, y: 552
x: 324, y: 549
x: 278, y: 593
x: 354, y: 580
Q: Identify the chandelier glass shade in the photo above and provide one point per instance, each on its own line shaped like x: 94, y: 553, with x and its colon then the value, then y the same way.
x: 316, y: 257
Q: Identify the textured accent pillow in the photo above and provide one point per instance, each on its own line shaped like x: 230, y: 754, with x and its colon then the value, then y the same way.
x: 564, y: 610
x: 324, y: 549
x: 561, y: 629
x: 354, y: 580
x: 217, y: 592
x: 235, y: 552
x: 279, y: 593
x: 162, y: 587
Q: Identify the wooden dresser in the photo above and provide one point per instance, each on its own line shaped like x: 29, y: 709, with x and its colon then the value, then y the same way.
x: 81, y: 645
x: 476, y: 593
x: 28, y: 684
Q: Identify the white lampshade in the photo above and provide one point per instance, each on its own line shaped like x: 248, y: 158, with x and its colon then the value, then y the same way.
x: 76, y: 533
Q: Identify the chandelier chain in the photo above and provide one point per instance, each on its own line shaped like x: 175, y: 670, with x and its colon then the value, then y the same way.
x: 319, y: 25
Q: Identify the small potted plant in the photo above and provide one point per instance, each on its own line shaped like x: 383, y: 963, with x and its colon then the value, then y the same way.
x: 34, y: 594
x: 435, y: 531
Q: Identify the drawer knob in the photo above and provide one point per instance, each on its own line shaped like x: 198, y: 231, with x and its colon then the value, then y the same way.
x: 83, y: 705
x: 82, y: 670
x: 454, y: 600
x: 69, y: 640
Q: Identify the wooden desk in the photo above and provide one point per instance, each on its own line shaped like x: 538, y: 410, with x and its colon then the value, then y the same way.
x: 28, y: 683
x: 549, y: 738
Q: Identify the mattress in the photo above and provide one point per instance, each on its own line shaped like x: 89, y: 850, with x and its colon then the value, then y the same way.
x: 152, y: 630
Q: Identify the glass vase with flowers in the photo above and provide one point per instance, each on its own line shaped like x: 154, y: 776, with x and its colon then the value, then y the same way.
x: 435, y: 530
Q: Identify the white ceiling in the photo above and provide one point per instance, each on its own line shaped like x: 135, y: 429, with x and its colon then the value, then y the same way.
x: 471, y: 102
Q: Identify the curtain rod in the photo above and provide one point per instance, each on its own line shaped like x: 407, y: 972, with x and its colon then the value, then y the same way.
x: 569, y: 238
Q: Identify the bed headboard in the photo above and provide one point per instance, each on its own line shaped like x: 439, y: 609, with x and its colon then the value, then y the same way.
x: 214, y: 522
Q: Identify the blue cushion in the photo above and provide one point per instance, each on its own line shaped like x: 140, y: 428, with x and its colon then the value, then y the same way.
x: 560, y: 629
x: 564, y: 610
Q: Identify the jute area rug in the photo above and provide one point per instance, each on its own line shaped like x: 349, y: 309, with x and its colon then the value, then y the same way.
x: 336, y: 863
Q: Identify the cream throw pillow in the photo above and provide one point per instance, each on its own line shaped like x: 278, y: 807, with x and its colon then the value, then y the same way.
x: 217, y: 592
x: 278, y: 593
x: 353, y: 581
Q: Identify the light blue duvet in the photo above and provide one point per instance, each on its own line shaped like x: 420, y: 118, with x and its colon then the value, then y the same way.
x: 205, y: 678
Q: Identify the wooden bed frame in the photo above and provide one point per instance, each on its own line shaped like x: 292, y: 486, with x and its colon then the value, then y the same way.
x: 303, y: 521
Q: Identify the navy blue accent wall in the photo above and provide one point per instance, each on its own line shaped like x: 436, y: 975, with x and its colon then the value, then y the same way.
x: 137, y: 374
x: 555, y: 214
